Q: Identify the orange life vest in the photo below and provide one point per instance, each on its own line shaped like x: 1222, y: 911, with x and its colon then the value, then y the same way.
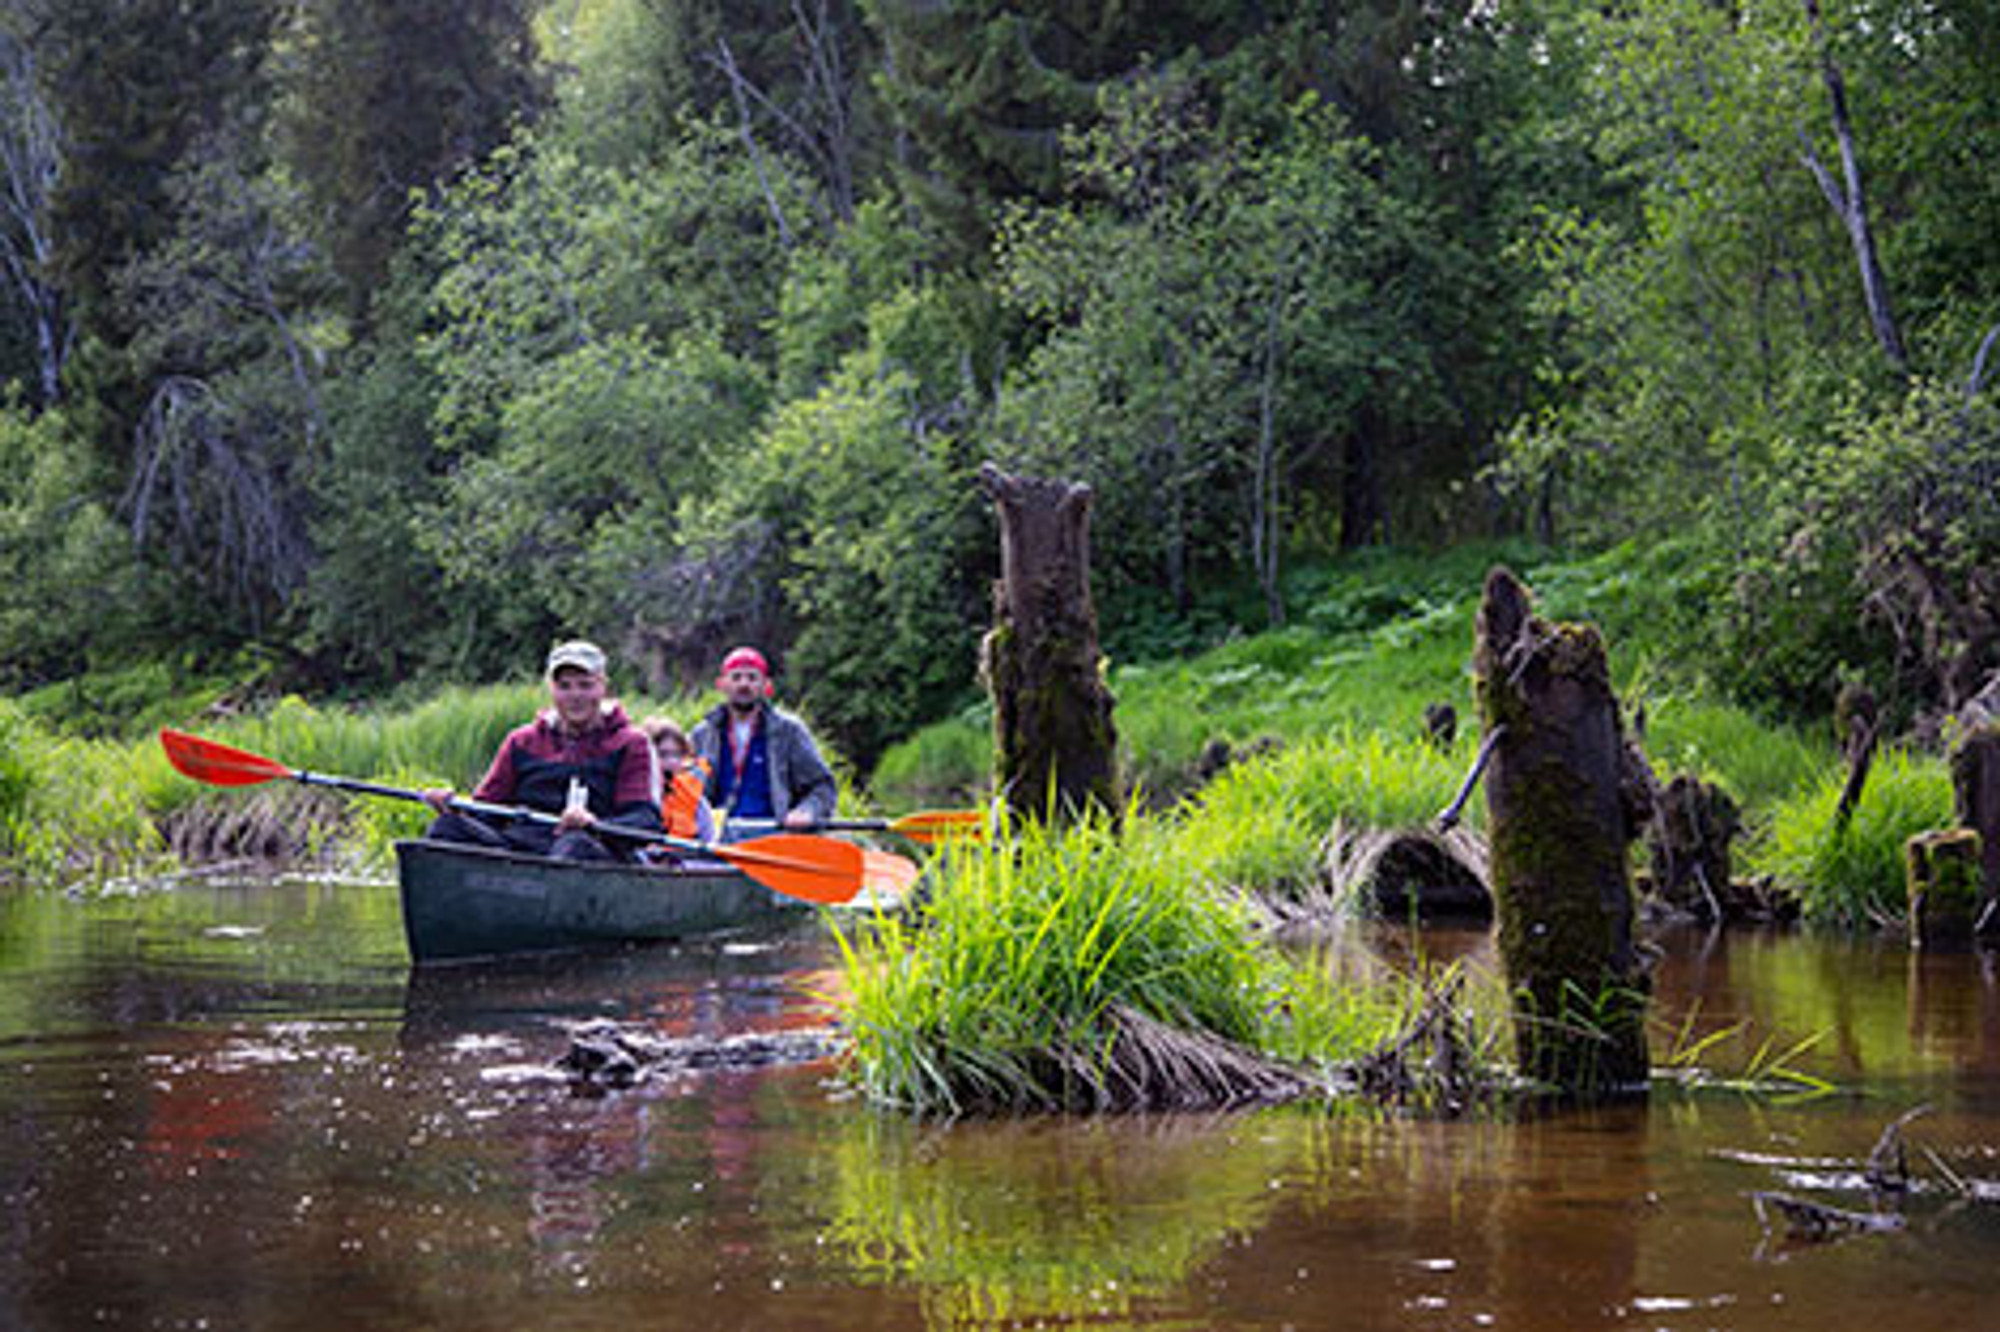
x: 677, y: 810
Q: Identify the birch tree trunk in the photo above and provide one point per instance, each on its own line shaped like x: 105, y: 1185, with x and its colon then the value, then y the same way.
x: 31, y: 160
x: 1848, y: 200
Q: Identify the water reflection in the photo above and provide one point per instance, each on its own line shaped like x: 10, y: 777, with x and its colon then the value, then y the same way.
x: 1053, y: 1221
x: 237, y: 1104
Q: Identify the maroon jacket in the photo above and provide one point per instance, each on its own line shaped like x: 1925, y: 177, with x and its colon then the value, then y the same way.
x: 613, y: 759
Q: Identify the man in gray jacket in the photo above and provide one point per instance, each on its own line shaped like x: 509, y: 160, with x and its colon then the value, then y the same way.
x: 763, y: 766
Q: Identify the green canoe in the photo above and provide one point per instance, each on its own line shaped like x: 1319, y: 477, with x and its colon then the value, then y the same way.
x: 470, y: 901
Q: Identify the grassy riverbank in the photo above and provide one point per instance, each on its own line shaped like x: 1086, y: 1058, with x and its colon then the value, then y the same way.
x: 75, y: 810
x: 1338, y: 698
x: 1321, y: 719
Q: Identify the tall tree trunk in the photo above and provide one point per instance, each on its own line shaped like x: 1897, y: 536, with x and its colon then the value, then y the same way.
x: 1266, y: 527
x: 1361, y: 483
x: 31, y: 160
x: 1564, y: 805
x: 1055, y: 748
x: 1175, y: 496
x: 1847, y: 199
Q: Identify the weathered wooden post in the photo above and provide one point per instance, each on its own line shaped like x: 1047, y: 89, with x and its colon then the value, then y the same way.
x: 1975, y: 786
x: 1441, y: 725
x: 1857, y: 723
x: 1688, y: 846
x: 1941, y: 876
x: 1564, y: 805
x: 1055, y: 749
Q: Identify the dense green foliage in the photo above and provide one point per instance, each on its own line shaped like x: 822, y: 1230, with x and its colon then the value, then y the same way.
x: 1341, y: 693
x: 348, y: 348
x: 68, y: 807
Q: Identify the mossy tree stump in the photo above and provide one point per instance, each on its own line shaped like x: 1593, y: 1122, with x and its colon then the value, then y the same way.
x: 1941, y: 875
x: 1564, y: 806
x: 1975, y: 785
x: 1055, y: 749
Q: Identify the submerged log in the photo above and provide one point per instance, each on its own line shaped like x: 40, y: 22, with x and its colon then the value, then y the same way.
x: 604, y: 1054
x: 1564, y: 808
x: 1812, y: 1222
x: 1410, y: 873
x: 1942, y: 879
x: 1055, y: 747
x: 1975, y: 785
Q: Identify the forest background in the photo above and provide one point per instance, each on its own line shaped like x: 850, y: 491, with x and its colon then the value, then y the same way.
x: 353, y: 347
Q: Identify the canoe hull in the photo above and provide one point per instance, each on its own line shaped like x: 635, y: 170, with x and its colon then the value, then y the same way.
x: 464, y: 902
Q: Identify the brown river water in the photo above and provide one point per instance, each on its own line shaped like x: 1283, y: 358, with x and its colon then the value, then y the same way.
x: 232, y: 1105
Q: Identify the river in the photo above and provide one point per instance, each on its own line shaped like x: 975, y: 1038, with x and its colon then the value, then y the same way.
x: 233, y: 1105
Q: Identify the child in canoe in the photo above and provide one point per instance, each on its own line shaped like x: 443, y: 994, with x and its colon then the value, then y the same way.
x: 684, y: 810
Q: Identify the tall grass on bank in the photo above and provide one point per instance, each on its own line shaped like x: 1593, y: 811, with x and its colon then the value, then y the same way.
x: 1292, y: 684
x: 92, y: 808
x: 1289, y: 684
x: 69, y: 809
x: 1853, y: 876
x: 447, y: 740
x: 1041, y: 955
x: 947, y: 763
x: 1261, y: 825
x: 1760, y: 763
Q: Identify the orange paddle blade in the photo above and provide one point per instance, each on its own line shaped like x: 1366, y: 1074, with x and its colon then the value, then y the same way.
x: 887, y: 875
x: 813, y: 869
x: 218, y: 764
x: 940, y: 825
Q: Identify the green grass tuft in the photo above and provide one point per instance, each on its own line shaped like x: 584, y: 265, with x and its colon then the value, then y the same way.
x: 1261, y: 824
x: 1853, y: 877
x: 1030, y: 943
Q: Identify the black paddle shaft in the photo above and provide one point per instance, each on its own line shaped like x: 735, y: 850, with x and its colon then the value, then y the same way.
x: 518, y: 813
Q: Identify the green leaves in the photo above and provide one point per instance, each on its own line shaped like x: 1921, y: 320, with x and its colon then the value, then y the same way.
x: 1189, y: 292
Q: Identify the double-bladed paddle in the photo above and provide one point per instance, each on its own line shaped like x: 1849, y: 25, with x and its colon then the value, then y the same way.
x: 813, y: 869
x: 927, y: 827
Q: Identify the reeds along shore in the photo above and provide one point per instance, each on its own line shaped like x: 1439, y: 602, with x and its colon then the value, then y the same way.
x: 75, y: 811
x: 1082, y: 969
x: 1322, y: 720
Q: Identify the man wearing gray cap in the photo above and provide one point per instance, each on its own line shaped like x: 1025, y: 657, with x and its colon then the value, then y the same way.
x: 580, y: 759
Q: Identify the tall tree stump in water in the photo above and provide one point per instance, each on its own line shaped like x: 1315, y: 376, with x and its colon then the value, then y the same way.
x: 1055, y: 749
x: 1975, y: 785
x: 1564, y: 807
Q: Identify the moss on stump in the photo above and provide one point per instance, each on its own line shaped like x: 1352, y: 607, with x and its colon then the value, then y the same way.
x: 1975, y: 785
x: 1055, y: 748
x: 1562, y: 817
x: 1942, y: 877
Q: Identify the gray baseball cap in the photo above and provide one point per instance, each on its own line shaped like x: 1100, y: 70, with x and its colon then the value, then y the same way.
x: 584, y: 656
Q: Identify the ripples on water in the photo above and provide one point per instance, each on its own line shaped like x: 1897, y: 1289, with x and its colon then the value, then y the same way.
x: 234, y: 1106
